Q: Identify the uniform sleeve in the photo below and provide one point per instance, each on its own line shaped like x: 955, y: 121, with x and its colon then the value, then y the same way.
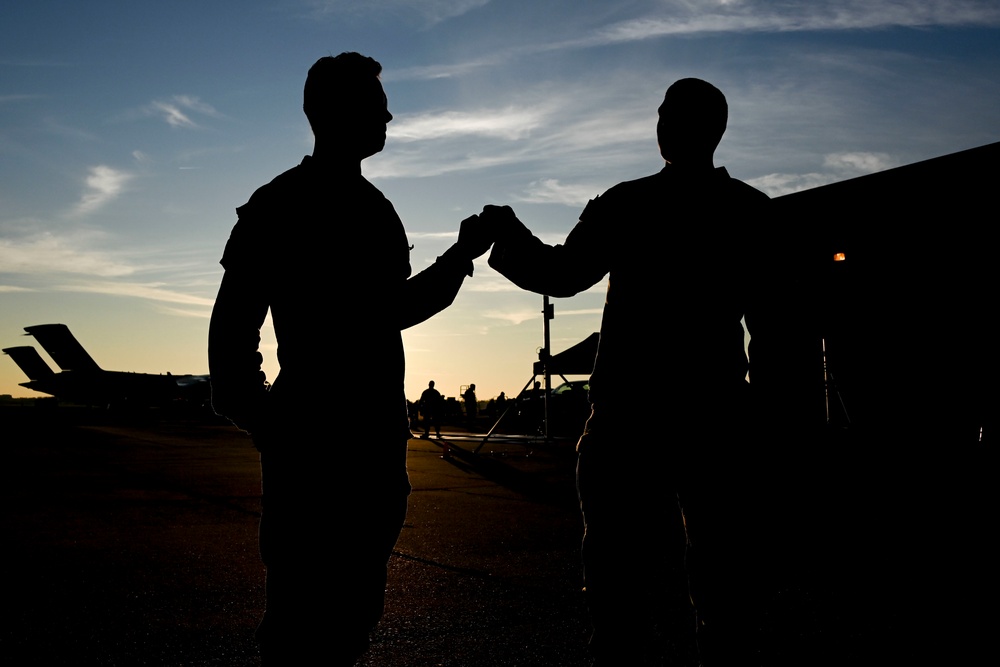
x: 560, y: 270
x: 238, y: 383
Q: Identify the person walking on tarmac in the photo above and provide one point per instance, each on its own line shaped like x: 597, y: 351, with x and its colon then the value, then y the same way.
x: 431, y: 406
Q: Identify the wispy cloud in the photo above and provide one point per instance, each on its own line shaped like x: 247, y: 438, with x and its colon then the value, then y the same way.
x: 430, y: 11
x: 776, y: 185
x: 177, y: 111
x: 77, y: 261
x: 58, y: 128
x: 200, y: 313
x: 582, y: 311
x: 104, y: 184
x: 837, y: 167
x: 49, y: 253
x: 671, y: 18
x: 540, y: 127
x: 425, y: 162
x: 489, y: 281
x: 444, y: 71
x: 687, y: 17
x: 509, y: 123
x: 148, y: 291
x: 858, y: 164
x: 436, y: 11
x: 438, y: 143
x: 551, y: 191
x: 513, y: 316
x: 445, y: 236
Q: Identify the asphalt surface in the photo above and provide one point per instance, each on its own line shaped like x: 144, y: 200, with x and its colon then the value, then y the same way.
x: 133, y: 542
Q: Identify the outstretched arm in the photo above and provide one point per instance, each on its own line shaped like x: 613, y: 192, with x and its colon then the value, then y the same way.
x: 560, y: 270
x: 434, y: 289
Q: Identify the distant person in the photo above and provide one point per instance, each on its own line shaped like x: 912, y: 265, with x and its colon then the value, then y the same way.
x: 431, y: 405
x: 324, y: 250
x: 471, y: 405
x: 501, y: 404
x: 529, y: 394
x: 531, y: 409
x: 676, y: 247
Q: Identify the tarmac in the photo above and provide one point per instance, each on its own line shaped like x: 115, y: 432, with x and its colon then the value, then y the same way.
x: 133, y: 542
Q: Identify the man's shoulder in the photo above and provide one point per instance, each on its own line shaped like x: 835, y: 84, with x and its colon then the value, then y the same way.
x: 252, y: 236
x: 744, y: 190
x: 307, y: 184
x: 624, y: 194
x: 671, y: 181
x: 645, y: 184
x: 283, y: 186
x: 715, y: 187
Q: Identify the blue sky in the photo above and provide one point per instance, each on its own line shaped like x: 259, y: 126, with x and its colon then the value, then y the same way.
x: 130, y: 131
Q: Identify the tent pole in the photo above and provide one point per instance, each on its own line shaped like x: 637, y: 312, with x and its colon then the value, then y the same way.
x: 548, y: 312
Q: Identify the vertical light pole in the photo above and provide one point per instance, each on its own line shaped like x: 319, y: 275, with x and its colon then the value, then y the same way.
x: 548, y: 312
x: 829, y: 383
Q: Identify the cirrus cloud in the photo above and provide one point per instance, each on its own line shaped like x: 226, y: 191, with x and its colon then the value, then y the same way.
x: 48, y: 253
x: 837, y: 167
x: 104, y: 184
x: 177, y: 111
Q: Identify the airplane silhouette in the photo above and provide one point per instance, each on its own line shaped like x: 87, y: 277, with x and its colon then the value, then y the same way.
x: 82, y: 380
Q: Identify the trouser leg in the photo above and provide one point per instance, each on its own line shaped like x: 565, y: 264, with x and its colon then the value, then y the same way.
x: 325, y: 547
x: 633, y: 552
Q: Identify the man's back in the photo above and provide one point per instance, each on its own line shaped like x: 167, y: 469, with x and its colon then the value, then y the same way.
x: 676, y: 246
x: 430, y: 399
x: 320, y: 287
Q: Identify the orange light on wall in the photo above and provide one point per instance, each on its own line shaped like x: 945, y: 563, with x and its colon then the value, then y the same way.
x: 839, y: 257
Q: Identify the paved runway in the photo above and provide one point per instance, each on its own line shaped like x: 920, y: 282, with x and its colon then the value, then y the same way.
x: 135, y: 543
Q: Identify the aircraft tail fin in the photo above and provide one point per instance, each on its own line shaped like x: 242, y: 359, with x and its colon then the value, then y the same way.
x: 63, y: 347
x: 29, y: 361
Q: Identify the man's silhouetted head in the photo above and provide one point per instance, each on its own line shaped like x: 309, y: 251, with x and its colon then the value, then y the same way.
x: 693, y: 118
x: 345, y: 104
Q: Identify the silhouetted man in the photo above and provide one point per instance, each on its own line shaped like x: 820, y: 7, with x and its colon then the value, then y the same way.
x: 471, y: 404
x: 676, y: 247
x: 430, y: 405
x: 324, y: 250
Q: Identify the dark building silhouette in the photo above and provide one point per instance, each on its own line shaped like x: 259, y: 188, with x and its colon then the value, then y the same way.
x: 896, y: 456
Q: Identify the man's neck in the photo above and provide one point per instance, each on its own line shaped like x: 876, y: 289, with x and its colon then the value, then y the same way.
x: 693, y: 166
x: 328, y: 154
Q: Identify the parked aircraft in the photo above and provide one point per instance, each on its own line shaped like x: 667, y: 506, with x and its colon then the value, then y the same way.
x: 81, y: 380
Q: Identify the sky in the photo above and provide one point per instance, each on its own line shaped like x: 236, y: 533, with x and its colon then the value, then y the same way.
x: 130, y: 132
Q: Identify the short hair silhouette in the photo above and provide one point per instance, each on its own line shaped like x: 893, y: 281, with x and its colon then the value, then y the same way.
x: 692, y: 120
x: 334, y: 84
